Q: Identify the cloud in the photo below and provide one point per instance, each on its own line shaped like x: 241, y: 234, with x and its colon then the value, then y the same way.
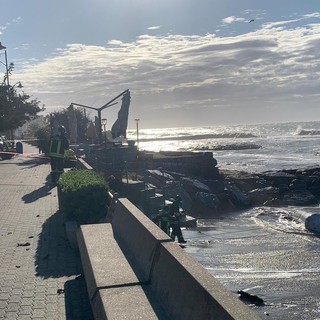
x: 271, y: 25
x: 154, y: 28
x: 23, y: 46
x: 269, y: 67
x: 17, y: 20
x: 312, y: 15
x: 115, y: 42
x: 14, y: 21
x: 232, y: 19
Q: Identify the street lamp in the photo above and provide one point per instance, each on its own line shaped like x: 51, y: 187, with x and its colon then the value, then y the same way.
x: 104, y: 123
x: 137, y: 124
x: 6, y: 63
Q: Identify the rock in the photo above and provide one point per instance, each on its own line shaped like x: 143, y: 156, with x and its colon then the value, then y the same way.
x: 259, y: 197
x: 210, y: 200
x: 153, y: 180
x: 244, y: 180
x: 186, y: 201
x: 315, y: 190
x: 205, y: 205
x: 299, y: 198
x: 192, y: 186
x: 238, y: 198
x: 297, y: 185
x: 235, y: 190
x: 311, y: 170
x: 250, y: 298
x: 312, y: 223
x: 232, y: 146
x: 275, y: 202
x: 279, y: 177
x: 250, y: 184
x: 216, y: 186
x: 226, y: 204
x: 283, y: 188
x: 159, y: 175
x: 314, y: 181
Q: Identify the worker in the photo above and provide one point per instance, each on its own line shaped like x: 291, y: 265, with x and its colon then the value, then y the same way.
x: 164, y: 219
x: 57, y: 146
x: 175, y: 224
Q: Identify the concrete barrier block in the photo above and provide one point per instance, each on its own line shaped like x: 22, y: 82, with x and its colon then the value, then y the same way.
x: 103, y: 262
x: 189, y: 291
x: 136, y: 302
x: 138, y: 235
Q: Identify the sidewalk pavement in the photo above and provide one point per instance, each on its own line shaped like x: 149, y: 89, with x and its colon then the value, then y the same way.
x: 40, y: 274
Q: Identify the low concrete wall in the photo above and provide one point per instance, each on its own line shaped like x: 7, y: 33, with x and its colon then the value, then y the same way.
x: 115, y: 289
x: 184, y: 287
x: 138, y: 236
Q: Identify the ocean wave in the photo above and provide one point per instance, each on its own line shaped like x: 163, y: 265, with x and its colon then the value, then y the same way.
x: 202, y: 136
x: 307, y: 132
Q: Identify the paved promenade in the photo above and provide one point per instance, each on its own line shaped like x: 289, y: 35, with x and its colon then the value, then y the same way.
x: 40, y: 274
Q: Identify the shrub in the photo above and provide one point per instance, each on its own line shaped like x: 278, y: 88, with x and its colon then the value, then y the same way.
x: 70, y: 154
x: 83, y: 196
x: 70, y: 159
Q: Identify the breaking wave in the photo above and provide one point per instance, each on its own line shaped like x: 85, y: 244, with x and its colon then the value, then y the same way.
x: 307, y: 132
x: 226, y: 135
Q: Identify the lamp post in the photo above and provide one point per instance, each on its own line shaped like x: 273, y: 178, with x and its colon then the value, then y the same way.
x: 5, y: 64
x: 104, y: 123
x: 137, y: 124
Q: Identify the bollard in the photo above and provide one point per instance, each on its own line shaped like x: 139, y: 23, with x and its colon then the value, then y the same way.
x: 19, y: 147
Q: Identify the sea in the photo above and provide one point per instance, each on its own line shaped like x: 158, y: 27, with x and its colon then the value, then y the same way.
x: 251, y: 148
x: 265, y: 251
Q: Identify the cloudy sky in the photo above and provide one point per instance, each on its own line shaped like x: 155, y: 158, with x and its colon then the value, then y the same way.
x: 185, y: 62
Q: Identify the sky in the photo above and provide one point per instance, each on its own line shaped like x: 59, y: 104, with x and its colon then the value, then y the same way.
x: 185, y: 62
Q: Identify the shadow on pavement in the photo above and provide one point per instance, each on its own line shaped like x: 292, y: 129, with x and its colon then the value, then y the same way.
x: 77, y: 300
x: 39, y: 193
x: 55, y: 258
x: 32, y: 162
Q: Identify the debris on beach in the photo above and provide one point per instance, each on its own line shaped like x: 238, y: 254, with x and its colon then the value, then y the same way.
x: 251, y: 298
x: 23, y: 244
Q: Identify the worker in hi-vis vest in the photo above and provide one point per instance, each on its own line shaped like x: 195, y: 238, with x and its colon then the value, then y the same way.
x: 57, y: 146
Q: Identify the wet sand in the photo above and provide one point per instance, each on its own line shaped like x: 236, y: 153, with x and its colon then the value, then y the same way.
x: 273, y: 258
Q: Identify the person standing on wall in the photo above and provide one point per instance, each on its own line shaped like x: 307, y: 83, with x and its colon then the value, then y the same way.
x: 57, y: 146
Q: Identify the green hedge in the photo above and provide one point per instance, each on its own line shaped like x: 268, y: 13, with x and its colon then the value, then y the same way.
x: 70, y: 154
x: 83, y: 196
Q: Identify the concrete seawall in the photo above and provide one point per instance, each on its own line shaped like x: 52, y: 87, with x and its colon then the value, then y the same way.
x: 178, y: 284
